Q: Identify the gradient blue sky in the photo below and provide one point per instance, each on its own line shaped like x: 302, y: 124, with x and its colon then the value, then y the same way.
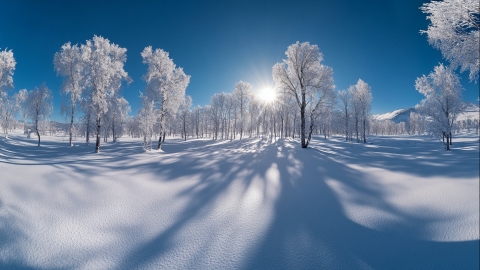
x: 219, y: 43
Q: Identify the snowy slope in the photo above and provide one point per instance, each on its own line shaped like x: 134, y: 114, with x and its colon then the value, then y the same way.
x: 472, y: 112
x: 396, y: 116
x: 400, y: 202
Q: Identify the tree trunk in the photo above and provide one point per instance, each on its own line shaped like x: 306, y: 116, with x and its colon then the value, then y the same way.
x: 356, y: 129
x: 274, y: 128
x: 38, y: 133
x: 448, y: 142
x: 364, y: 132
x: 71, y: 125
x: 294, y: 126
x: 184, y: 129
x: 346, y: 125
x: 159, y: 146
x: 87, y: 138
x: 302, y: 119
x: 234, y: 125
x: 97, y: 143
x: 114, y: 138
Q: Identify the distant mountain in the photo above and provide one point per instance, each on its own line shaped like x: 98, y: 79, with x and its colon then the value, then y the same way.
x: 396, y: 116
x: 471, y: 112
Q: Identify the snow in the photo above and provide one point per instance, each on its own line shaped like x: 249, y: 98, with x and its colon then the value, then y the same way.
x: 397, y: 202
x: 472, y: 112
x: 396, y: 116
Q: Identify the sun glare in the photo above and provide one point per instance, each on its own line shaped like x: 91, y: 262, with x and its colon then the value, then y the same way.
x: 267, y: 95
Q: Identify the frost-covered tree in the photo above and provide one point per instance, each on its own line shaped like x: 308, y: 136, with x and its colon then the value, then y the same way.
x: 166, y: 85
x: 184, y: 111
x: 7, y: 67
x: 361, y: 104
x: 345, y: 98
x: 104, y: 72
x: 88, y: 119
x: 146, y: 119
x: 7, y: 105
x: 40, y: 107
x: 196, y: 120
x: 254, y: 109
x: 118, y: 109
x: 69, y: 64
x: 242, y: 94
x: 454, y: 30
x: 8, y: 109
x: 416, y: 123
x: 22, y: 105
x: 443, y: 100
x: 217, y: 107
x: 309, y: 82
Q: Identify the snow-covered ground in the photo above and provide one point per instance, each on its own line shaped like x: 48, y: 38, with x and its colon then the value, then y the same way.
x: 399, y: 202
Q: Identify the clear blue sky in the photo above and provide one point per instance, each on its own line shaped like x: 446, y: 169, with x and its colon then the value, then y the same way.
x: 219, y: 43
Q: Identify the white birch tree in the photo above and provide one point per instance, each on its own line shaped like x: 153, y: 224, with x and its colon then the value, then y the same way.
x: 443, y: 100
x: 303, y: 77
x: 361, y: 103
x: 40, y: 107
x: 104, y: 63
x: 146, y: 119
x: 7, y: 67
x: 242, y: 94
x: 8, y: 109
x: 118, y: 109
x: 69, y: 64
x: 21, y: 99
x: 184, y: 111
x: 345, y: 105
x: 7, y: 105
x: 166, y: 85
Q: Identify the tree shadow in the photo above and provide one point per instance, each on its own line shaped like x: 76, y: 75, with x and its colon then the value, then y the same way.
x: 312, y: 231
x: 308, y: 226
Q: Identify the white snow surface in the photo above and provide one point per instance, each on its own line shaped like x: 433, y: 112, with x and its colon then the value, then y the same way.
x: 398, y: 202
x: 471, y: 112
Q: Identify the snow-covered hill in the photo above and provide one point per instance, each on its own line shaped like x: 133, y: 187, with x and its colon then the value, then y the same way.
x: 471, y: 112
x: 396, y: 116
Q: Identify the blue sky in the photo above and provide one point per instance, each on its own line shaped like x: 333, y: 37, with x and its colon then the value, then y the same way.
x: 220, y: 43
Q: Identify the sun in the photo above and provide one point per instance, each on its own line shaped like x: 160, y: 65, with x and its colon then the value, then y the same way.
x: 267, y: 95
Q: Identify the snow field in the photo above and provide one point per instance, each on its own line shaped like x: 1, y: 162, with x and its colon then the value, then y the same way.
x: 398, y: 202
